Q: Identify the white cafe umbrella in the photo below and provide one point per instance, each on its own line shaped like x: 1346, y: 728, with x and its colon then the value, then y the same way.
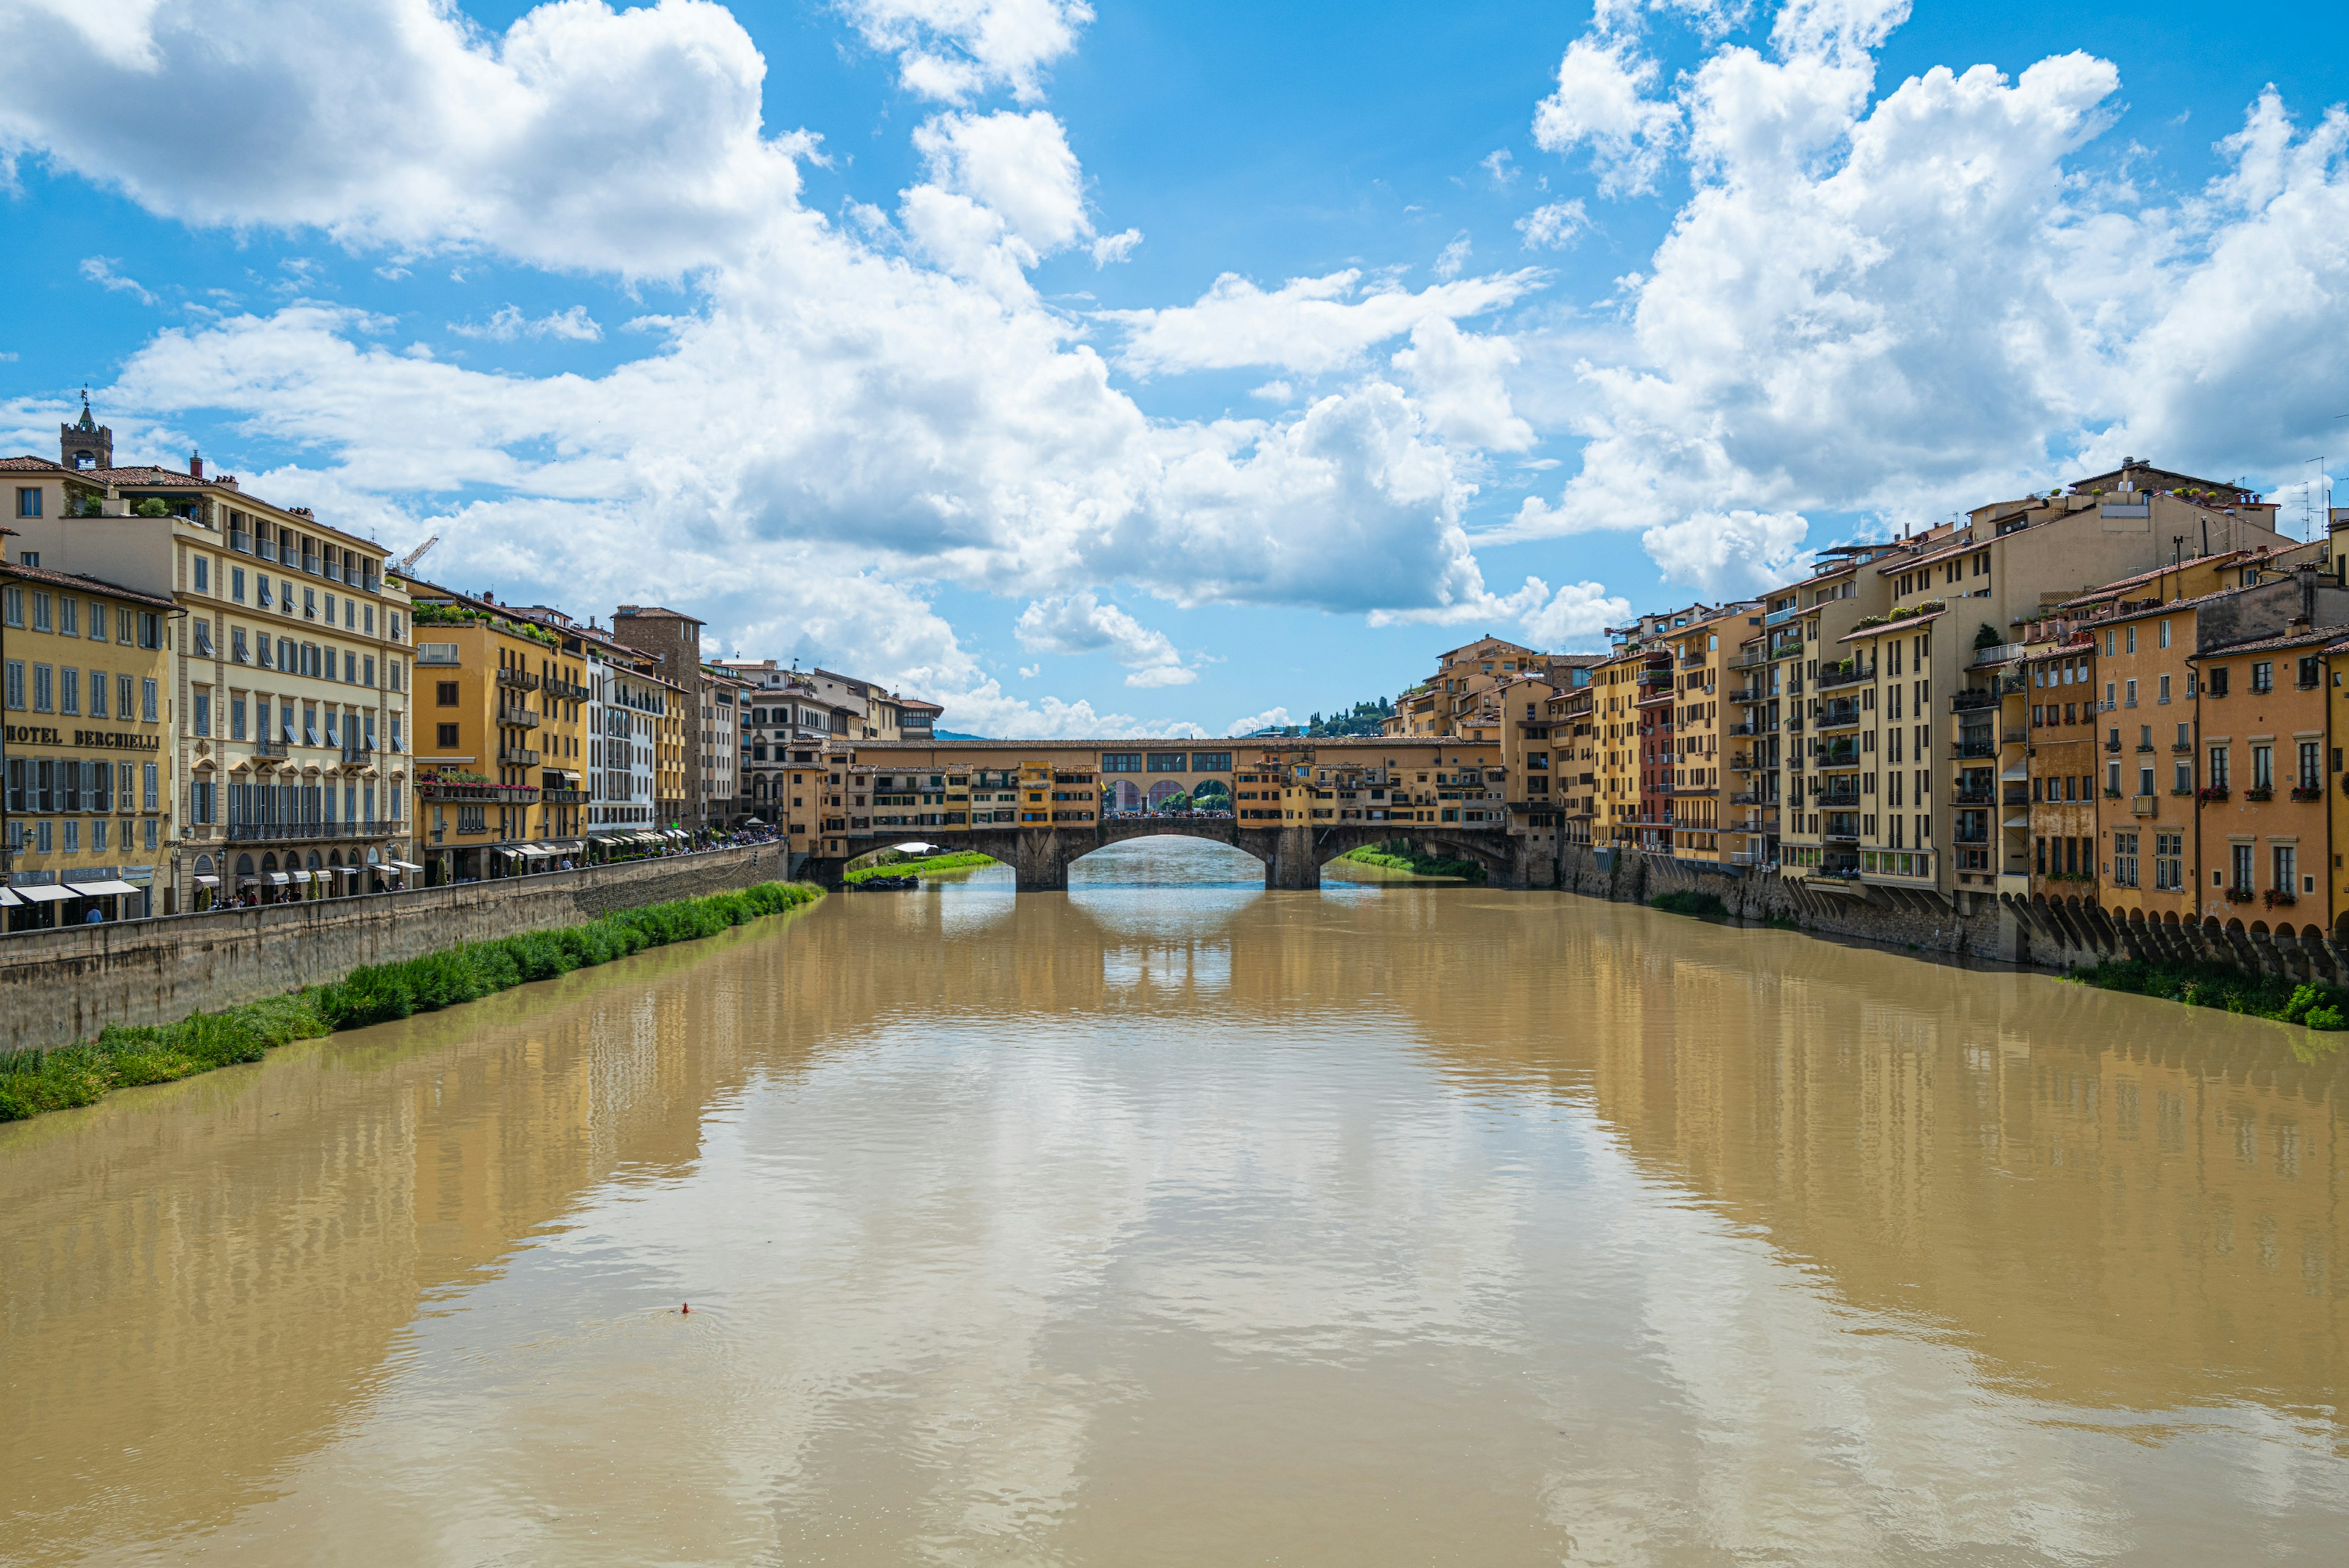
x: 915, y: 848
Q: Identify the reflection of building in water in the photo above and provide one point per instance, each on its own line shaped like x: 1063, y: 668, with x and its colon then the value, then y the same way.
x: 2120, y: 1223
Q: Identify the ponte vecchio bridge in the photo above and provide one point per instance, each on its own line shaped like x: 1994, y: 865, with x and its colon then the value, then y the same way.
x: 1040, y: 806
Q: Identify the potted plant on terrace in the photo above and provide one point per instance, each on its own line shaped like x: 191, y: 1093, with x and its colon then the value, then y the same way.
x: 2260, y: 791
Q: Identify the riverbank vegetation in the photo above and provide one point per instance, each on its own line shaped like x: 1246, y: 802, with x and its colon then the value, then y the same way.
x: 907, y: 865
x: 124, y: 1056
x: 2222, y: 986
x: 1396, y: 855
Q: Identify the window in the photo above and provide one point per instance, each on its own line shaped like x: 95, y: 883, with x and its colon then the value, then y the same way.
x: 1121, y: 762
x: 445, y: 736
x: 28, y: 502
x: 237, y: 650
x: 235, y: 717
x: 2217, y: 682
x: 68, y: 617
x: 203, y: 700
x: 11, y: 607
x: 203, y: 579
x: 68, y: 689
x: 2169, y: 862
x: 41, y: 612
x: 2162, y: 693
x: 2285, y: 868
x: 445, y: 694
x: 2219, y: 779
x: 2262, y: 675
x: 2145, y: 779
x: 97, y: 694
x: 2131, y: 639
x: 236, y: 584
x: 149, y: 696
x: 2113, y: 779
x: 123, y: 697
x: 150, y: 629
x: 2129, y: 701
x: 199, y: 802
x: 203, y: 632
x: 2184, y: 782
x: 43, y: 688
x: 2163, y: 637
x: 146, y: 785
x: 2262, y: 767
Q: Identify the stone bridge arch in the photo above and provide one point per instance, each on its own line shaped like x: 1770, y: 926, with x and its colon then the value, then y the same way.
x: 1292, y: 855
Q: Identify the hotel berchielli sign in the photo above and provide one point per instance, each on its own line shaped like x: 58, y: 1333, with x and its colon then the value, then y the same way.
x: 99, y: 739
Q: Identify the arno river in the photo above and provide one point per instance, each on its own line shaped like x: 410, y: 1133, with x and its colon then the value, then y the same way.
x: 1176, y: 1222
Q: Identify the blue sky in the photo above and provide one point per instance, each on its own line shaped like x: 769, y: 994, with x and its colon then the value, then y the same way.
x: 1146, y: 369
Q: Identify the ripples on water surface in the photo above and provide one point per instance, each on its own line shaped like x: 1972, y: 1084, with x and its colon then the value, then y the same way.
x: 1171, y: 1221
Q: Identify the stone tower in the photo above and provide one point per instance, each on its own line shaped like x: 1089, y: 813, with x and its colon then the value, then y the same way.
x: 86, y: 444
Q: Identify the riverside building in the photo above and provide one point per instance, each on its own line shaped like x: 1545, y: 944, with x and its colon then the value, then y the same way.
x: 85, y: 819
x: 287, y: 687
x: 500, y: 750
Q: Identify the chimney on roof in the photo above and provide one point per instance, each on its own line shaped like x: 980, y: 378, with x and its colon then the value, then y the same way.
x: 195, y: 465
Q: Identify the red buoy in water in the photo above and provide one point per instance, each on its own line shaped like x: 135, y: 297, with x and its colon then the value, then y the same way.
x: 686, y: 1308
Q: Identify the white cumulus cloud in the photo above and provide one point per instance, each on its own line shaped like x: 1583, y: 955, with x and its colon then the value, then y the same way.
x: 508, y: 323
x: 1308, y: 325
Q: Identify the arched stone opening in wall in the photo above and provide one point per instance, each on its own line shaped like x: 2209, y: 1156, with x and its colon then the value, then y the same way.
x: 1162, y: 792
x: 1211, y: 795
x: 1124, y: 795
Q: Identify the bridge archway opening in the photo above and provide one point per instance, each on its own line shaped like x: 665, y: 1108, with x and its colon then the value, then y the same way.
x: 1167, y: 856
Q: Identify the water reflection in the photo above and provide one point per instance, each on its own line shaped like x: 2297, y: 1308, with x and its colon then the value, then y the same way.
x: 1176, y: 1220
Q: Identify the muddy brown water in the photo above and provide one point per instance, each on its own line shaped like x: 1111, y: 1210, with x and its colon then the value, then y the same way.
x: 1172, y: 1221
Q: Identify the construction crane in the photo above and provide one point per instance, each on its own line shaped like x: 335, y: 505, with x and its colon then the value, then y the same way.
x: 407, y: 562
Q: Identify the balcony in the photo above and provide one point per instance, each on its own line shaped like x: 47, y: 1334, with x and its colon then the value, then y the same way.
x: 1840, y: 757
x: 1975, y: 797
x: 1977, y: 747
x: 517, y: 757
x: 1845, y: 674
x: 516, y: 680
x: 1780, y: 616
x: 1748, y: 696
x: 563, y: 796
x: 357, y: 755
x: 518, y: 718
x: 1998, y: 653
x: 269, y: 749
x: 475, y: 791
x: 1969, y: 701
x: 1834, y: 799
x: 2142, y: 805
x: 1838, y: 716
x: 566, y: 691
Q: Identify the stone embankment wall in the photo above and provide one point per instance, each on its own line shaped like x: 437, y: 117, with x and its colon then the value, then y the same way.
x: 1981, y: 930
x: 2037, y: 931
x: 68, y: 984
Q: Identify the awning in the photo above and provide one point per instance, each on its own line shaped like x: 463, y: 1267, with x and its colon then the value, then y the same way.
x: 405, y: 865
x: 509, y: 854
x: 301, y: 876
x: 345, y: 870
x: 8, y: 900
x: 277, y: 879
x: 104, y: 889
x: 208, y: 881
x: 46, y: 895
x: 916, y: 847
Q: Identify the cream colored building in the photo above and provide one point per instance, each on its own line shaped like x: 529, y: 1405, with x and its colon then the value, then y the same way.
x: 290, y: 675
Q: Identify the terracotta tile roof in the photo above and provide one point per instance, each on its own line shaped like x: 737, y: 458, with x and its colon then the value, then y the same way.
x: 142, y: 473
x: 1903, y: 624
x: 2308, y: 638
x: 83, y: 583
x: 30, y: 464
x: 2113, y: 589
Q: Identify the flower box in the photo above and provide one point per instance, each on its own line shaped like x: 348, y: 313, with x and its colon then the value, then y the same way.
x: 2259, y: 791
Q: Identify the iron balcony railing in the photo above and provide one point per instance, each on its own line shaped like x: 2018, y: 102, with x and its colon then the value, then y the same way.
x: 516, y: 680
x: 1838, y: 715
x: 572, y: 691
x: 518, y: 718
x: 517, y: 757
x: 269, y: 748
x: 1845, y: 674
